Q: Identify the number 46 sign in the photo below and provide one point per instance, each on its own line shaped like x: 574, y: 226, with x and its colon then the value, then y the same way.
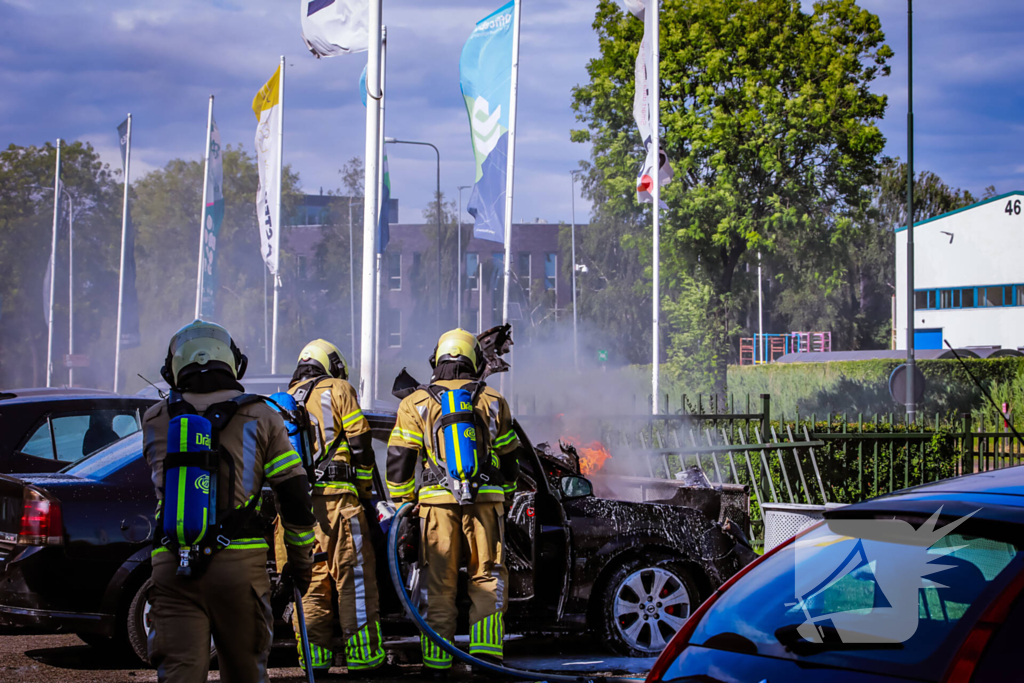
x: 1012, y: 207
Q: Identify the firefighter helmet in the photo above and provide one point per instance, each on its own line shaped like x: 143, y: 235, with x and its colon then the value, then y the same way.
x: 458, y: 343
x: 326, y: 356
x: 202, y: 346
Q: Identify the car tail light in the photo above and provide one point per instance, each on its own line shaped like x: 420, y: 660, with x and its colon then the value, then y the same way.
x: 41, y: 522
x: 967, y: 658
x: 682, y: 637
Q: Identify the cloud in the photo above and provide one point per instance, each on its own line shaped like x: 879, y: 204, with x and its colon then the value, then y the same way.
x: 77, y: 72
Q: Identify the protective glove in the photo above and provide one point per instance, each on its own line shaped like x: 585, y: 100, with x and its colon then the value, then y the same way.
x: 409, y: 538
x: 299, y: 577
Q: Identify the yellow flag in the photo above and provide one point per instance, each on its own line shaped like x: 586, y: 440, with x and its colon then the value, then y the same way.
x: 267, y: 107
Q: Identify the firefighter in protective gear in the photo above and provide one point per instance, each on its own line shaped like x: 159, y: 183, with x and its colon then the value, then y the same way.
x: 228, y: 594
x: 344, y: 477
x: 451, y: 527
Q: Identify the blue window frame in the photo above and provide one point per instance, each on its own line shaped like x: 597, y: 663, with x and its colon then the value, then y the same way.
x: 993, y: 296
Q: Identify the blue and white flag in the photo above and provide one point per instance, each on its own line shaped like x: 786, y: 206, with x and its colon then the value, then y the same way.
x: 213, y: 217
x: 335, y: 27
x: 485, y: 71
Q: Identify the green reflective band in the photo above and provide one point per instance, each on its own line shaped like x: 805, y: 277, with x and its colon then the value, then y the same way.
x: 323, y: 486
x: 364, y: 474
x: 281, y: 463
x: 248, y: 544
x: 352, y: 418
x: 506, y: 439
x: 402, y: 489
x: 158, y: 551
x: 293, y: 538
x: 406, y: 435
x: 321, y: 657
x: 509, y: 488
x: 433, y: 656
x: 363, y: 651
x: 491, y: 489
x: 183, y: 435
x: 180, y: 512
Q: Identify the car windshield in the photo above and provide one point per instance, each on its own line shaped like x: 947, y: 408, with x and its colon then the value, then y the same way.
x: 881, y: 596
x: 106, y: 461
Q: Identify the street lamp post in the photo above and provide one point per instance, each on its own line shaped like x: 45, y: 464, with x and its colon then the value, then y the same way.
x: 393, y: 141
x: 911, y: 395
x: 458, y: 275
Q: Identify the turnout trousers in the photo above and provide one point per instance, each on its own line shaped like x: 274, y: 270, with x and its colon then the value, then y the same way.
x: 230, y: 601
x: 342, y: 532
x: 476, y: 532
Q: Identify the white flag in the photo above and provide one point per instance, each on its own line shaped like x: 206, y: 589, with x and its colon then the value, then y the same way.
x: 267, y: 107
x: 642, y: 116
x: 335, y: 27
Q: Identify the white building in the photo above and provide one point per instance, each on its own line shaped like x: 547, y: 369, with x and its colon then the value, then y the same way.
x: 968, y: 277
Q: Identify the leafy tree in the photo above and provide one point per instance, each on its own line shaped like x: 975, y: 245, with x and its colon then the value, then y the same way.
x: 768, y: 119
x: 26, y: 220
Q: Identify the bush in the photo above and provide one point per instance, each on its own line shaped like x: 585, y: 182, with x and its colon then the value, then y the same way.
x: 863, y: 386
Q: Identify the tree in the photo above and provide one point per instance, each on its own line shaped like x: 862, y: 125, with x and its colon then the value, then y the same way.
x: 768, y: 119
x: 26, y: 219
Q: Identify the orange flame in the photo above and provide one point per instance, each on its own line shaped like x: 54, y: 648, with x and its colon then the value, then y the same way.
x: 592, y: 455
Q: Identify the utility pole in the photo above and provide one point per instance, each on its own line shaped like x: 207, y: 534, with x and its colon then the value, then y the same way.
x: 575, y: 317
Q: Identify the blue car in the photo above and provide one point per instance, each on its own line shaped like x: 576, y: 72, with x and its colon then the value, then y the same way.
x: 924, y: 584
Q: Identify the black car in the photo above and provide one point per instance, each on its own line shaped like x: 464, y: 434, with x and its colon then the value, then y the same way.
x: 954, y: 612
x: 45, y: 430
x: 75, y: 546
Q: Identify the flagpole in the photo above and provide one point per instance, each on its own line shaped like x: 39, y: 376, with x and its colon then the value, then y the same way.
x: 53, y: 270
x: 760, y: 317
x: 277, y: 217
x: 380, y: 198
x: 368, y: 348
x: 124, y: 233
x: 351, y: 282
x: 71, y: 288
x: 510, y: 169
x: 655, y: 99
x: 202, y: 212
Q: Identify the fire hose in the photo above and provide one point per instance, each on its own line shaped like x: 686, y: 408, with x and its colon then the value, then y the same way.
x: 424, y: 627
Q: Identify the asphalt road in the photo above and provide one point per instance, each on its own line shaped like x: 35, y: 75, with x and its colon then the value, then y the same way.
x: 59, y: 658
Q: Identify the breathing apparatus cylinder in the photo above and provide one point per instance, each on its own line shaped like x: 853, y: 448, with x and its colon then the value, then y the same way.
x: 296, y: 421
x: 190, y: 486
x: 459, y: 439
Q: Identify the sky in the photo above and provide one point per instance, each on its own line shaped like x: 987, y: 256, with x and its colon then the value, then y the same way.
x: 75, y: 72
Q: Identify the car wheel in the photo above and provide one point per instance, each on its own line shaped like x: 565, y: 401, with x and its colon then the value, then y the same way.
x: 140, y: 623
x: 644, y: 603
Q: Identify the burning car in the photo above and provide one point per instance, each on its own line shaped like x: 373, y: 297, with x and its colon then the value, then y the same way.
x: 631, y: 571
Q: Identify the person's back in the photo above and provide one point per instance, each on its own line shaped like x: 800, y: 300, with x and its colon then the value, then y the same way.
x: 217, y: 585
x: 461, y: 431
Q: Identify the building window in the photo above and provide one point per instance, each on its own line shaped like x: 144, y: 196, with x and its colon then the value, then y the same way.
x: 498, y: 260
x: 551, y: 271
x: 967, y: 298
x: 992, y: 296
x: 472, y: 323
x: 417, y: 264
x: 472, y: 268
x: 524, y: 271
x: 393, y: 327
x: 394, y: 271
x: 946, y: 298
x: 920, y: 300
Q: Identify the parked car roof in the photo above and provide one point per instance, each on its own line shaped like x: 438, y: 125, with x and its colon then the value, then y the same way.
x: 56, y: 394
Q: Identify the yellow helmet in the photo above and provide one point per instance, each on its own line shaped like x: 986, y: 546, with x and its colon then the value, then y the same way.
x: 202, y: 346
x: 456, y: 343
x: 326, y: 355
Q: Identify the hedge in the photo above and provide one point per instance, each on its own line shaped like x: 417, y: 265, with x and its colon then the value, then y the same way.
x: 862, y: 387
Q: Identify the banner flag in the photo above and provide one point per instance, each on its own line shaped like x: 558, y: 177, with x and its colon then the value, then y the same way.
x: 267, y: 107
x: 213, y: 216
x: 335, y: 27
x: 130, y: 337
x: 485, y: 71
x: 642, y: 117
